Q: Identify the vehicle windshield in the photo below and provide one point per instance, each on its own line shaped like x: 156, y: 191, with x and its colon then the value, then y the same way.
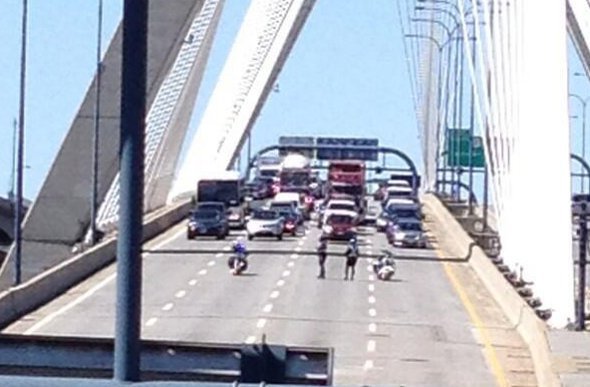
x: 402, y: 213
x: 219, y: 191
x: 265, y: 215
x: 205, y: 215
x: 348, y: 168
x: 409, y: 226
x: 341, y: 206
x: 211, y: 207
x: 339, y: 219
x: 353, y: 190
x: 295, y: 178
x: 269, y: 173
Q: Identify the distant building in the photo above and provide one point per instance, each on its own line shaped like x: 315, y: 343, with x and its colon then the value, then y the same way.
x: 7, y: 224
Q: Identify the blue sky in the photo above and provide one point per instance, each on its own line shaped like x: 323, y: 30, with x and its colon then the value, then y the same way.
x: 346, y: 76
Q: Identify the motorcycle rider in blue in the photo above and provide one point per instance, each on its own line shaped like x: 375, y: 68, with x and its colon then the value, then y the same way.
x: 240, y: 252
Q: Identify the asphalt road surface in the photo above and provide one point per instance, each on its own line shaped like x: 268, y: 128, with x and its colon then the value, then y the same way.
x: 410, y: 331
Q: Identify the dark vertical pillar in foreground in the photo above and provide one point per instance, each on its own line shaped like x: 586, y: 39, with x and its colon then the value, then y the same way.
x: 128, y: 320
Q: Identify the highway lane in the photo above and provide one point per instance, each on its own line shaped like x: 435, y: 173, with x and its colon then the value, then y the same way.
x: 411, y: 330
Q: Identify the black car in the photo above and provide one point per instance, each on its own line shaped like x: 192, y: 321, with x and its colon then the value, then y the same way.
x: 207, y: 222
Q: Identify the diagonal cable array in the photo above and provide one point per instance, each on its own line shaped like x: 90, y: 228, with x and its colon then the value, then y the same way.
x: 162, y: 109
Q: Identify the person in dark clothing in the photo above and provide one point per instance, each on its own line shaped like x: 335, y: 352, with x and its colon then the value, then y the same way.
x: 322, y: 255
x: 352, y: 253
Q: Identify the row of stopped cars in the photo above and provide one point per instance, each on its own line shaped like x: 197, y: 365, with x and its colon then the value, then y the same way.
x: 401, y: 215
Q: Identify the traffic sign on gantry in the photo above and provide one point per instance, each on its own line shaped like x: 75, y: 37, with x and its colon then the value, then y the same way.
x: 342, y: 148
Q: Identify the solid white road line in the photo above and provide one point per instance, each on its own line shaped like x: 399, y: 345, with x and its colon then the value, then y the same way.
x: 180, y: 294
x: 47, y: 319
x: 151, y: 321
x: 168, y: 306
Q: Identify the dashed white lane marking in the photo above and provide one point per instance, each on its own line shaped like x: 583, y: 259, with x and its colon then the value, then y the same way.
x: 267, y: 308
x: 371, y: 287
x: 371, y: 277
x: 294, y: 256
x: 372, y: 299
x: 274, y: 294
x: 369, y: 268
x: 372, y: 327
x: 192, y: 282
x: 151, y: 321
x: 180, y: 294
x: 211, y: 263
x: 280, y: 282
x: 218, y: 255
x: 250, y: 339
x: 300, y: 243
x: 368, y: 365
x: 226, y: 248
x: 371, y: 346
x: 286, y: 273
x: 261, y: 323
x: 291, y: 264
x: 47, y: 319
x: 298, y: 248
x: 202, y: 271
x: 168, y: 306
x: 372, y: 312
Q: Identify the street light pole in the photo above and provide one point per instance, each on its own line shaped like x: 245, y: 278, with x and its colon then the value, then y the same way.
x: 584, y: 102
x: 95, y: 137
x: 18, y: 214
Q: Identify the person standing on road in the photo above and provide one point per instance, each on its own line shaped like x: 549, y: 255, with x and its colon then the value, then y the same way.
x: 322, y: 255
x: 352, y: 254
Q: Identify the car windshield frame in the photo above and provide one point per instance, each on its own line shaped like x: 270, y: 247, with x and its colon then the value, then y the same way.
x: 409, y: 226
x: 340, y: 219
x: 211, y: 215
x: 256, y: 215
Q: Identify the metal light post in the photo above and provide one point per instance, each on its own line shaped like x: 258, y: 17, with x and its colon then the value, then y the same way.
x: 18, y: 214
x: 96, y: 133
x: 131, y: 152
x: 584, y: 102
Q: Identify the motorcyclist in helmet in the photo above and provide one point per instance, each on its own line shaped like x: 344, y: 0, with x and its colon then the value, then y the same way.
x: 384, y: 266
x: 352, y: 253
x: 240, y: 251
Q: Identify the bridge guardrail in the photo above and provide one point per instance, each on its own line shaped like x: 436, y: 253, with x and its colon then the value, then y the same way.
x: 519, y: 313
x: 20, y: 300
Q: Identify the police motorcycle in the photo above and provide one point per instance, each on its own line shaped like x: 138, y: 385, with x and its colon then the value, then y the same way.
x: 238, y: 262
x: 384, y: 267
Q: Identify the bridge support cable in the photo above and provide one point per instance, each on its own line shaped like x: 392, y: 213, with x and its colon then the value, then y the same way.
x: 168, y: 108
x: 578, y: 15
x: 259, y: 52
x: 521, y: 108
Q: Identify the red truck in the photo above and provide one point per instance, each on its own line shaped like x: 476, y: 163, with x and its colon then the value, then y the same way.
x: 347, y: 177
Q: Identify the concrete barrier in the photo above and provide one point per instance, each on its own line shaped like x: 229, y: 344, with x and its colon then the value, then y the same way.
x: 451, y: 236
x: 18, y: 301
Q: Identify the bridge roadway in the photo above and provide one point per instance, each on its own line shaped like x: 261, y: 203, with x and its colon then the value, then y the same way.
x: 414, y: 330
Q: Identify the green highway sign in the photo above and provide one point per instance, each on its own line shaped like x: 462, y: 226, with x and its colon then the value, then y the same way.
x: 457, y: 144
